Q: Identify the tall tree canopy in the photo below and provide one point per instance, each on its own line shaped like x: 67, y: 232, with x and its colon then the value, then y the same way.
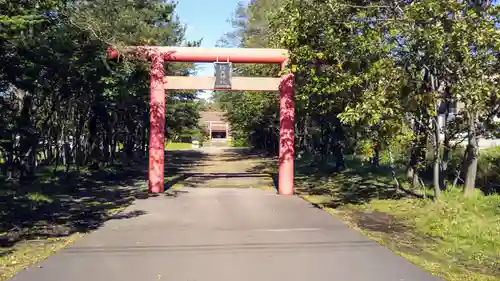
x: 376, y: 78
x: 62, y: 101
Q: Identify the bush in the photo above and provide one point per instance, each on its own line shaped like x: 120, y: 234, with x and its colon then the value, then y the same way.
x: 488, y: 172
x: 202, y: 136
x: 239, y: 143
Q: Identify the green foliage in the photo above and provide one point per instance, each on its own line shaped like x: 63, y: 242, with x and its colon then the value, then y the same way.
x: 182, y: 115
x: 203, y: 135
x: 178, y: 146
x: 489, y: 170
x: 378, y: 81
x: 239, y: 143
x: 373, y: 75
x: 18, y: 16
x: 122, y: 22
x: 63, y: 102
x: 253, y: 116
x: 69, y: 114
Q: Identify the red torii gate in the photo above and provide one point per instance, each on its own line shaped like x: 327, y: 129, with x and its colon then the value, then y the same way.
x: 159, y: 83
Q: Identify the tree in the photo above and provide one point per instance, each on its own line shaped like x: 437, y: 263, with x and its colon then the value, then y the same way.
x: 63, y: 101
x: 372, y: 76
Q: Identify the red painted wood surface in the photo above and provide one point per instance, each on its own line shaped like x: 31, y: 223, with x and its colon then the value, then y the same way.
x: 157, y: 126
x: 286, y: 152
x: 193, y: 54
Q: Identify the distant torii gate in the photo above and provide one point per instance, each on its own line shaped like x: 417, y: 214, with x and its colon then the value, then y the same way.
x: 159, y: 83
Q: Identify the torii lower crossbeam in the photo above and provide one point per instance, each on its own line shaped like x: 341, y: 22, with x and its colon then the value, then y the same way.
x: 159, y: 83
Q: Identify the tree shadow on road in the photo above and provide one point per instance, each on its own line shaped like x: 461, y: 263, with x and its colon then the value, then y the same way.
x: 239, y: 154
x: 218, y: 180
x: 80, y: 201
x: 357, y: 184
x: 179, y: 164
x: 225, y: 169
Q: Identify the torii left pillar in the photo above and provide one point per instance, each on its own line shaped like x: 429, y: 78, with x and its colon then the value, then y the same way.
x: 157, y: 125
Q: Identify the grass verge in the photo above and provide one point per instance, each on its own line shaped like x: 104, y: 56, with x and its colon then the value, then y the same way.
x: 41, y: 217
x: 52, y: 211
x: 25, y: 254
x: 178, y: 146
x: 456, y: 238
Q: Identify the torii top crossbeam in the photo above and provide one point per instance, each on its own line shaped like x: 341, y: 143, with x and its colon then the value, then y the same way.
x: 195, y: 54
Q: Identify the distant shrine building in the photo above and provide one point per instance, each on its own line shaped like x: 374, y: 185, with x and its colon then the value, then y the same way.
x: 217, y: 127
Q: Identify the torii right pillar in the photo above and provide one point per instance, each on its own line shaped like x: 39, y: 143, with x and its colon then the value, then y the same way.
x: 286, y: 153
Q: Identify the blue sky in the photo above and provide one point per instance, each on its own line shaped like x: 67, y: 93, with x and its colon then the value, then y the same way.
x: 207, y: 20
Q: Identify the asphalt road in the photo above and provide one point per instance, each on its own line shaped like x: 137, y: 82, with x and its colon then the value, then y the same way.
x: 225, y: 234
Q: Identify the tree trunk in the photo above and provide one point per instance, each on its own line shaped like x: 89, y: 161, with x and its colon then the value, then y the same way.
x: 77, y: 149
x: 33, y: 163
x: 305, y: 139
x: 113, y: 146
x: 412, y: 170
x: 49, y: 147
x: 412, y: 158
x: 472, y: 155
x: 144, y: 142
x: 376, y: 156
x: 324, y: 142
x: 106, y: 146
x: 445, y: 161
x: 461, y: 168
x: 435, y: 158
x: 10, y: 159
x: 446, y: 142
x: 417, y: 155
x: 339, y: 138
x: 57, y: 153
x: 67, y: 153
x: 62, y: 141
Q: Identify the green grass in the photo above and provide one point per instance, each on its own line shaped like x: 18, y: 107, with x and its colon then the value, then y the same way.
x: 178, y: 146
x: 456, y: 238
x: 23, y: 255
x: 40, y: 217
x: 52, y: 215
x: 28, y: 253
x: 38, y: 197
